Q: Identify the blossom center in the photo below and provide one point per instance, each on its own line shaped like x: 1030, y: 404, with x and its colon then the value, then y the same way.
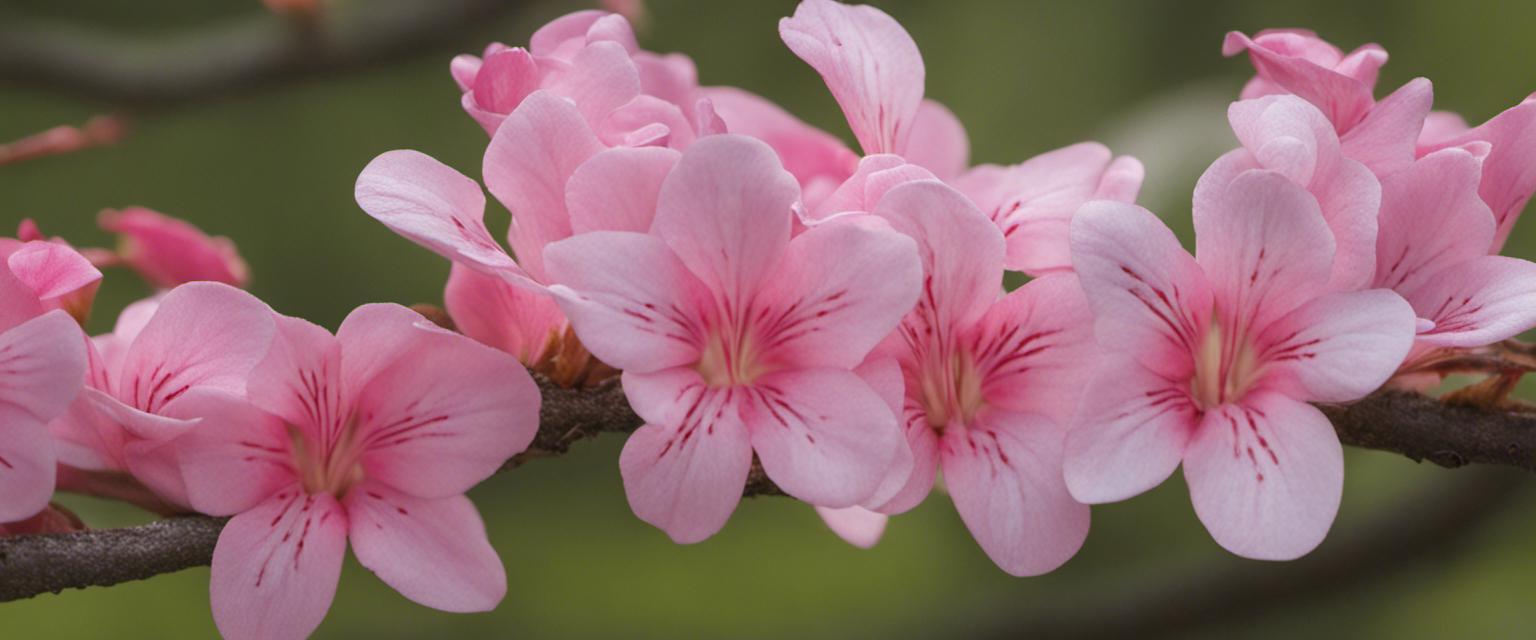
x: 730, y: 359
x: 951, y: 388
x: 330, y: 469
x: 1226, y: 367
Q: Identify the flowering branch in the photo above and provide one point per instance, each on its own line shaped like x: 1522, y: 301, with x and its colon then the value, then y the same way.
x: 239, y: 54
x: 1419, y: 427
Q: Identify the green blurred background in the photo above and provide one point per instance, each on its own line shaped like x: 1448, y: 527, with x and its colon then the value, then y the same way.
x: 273, y: 167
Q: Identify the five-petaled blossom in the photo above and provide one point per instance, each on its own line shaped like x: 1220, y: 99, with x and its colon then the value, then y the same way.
x: 991, y: 382
x: 735, y: 339
x: 370, y: 436
x: 42, y: 366
x: 1211, y: 360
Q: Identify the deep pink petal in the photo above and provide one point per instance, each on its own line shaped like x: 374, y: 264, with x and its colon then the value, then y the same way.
x: 823, y: 435
x: 1386, y: 139
x: 527, y: 164
x: 275, y: 567
x: 687, y: 479
x: 631, y: 301
x: 1431, y: 219
x: 167, y: 251
x: 1129, y: 434
x: 857, y: 526
x: 1283, y: 60
x: 870, y: 64
x: 961, y: 252
x: 42, y: 367
x: 1266, y: 249
x: 204, y: 334
x: 616, y: 190
x: 434, y: 206
x: 510, y: 318
x: 18, y: 302
x: 1509, y: 173
x: 1478, y: 302
x: 939, y: 143
x: 1266, y: 476
x: 1148, y: 295
x: 501, y: 83
x: 1339, y: 347
x: 434, y: 552
x: 1034, y: 349
x: 238, y: 455
x: 838, y: 290
x: 1004, y: 473
x: 300, y: 380
x: 53, y: 271
x: 725, y: 212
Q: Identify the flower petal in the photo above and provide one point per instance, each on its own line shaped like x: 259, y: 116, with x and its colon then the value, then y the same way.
x: 1338, y: 347
x: 616, y: 190
x: 434, y: 552
x: 1386, y: 139
x: 857, y: 526
x: 1431, y: 219
x: 687, y: 479
x: 275, y: 567
x: 204, y: 334
x: 43, y: 365
x: 1478, y: 302
x: 1509, y: 172
x: 808, y: 153
x: 1034, y: 348
x: 1004, y: 474
x: 1129, y: 434
x: 600, y: 78
x: 938, y: 141
x: 823, y: 435
x: 1148, y: 296
x: 237, y: 456
x: 1266, y: 476
x: 510, y: 318
x: 870, y: 64
x: 961, y: 252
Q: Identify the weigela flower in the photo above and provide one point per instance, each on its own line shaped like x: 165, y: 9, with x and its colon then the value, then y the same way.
x: 990, y: 383
x: 1212, y: 360
x: 735, y: 339
x: 370, y: 436
x: 1509, y: 171
x: 1297, y: 61
x: 42, y: 368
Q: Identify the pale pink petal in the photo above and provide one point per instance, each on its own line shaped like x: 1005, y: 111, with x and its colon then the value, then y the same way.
x: 1004, y: 474
x: 808, y: 153
x: 527, y: 164
x: 1386, y: 139
x: 1266, y: 248
x: 1129, y: 434
x: 434, y: 206
x: 883, y: 375
x: 42, y: 367
x: 837, y: 292
x: 646, y: 121
x: 870, y: 64
x: 156, y: 465
x: 961, y: 252
x: 204, y: 334
x: 275, y: 567
x: 462, y: 68
x: 616, y: 190
x: 670, y: 76
x: 725, y: 212
x: 237, y: 456
x: 1509, y: 172
x: 1439, y: 127
x: 136, y: 422
x: 1480, y: 301
x: 863, y: 190
x: 52, y: 270
x: 1033, y: 202
x: 168, y: 252
x: 300, y: 381
x: 443, y: 413
x: 599, y: 79
x: 1034, y: 349
x: 823, y: 435
x: 510, y: 318
x: 1149, y: 297
x: 1266, y: 476
x: 687, y: 479
x: 938, y: 141
x: 1338, y: 347
x: 434, y: 552
x: 1431, y: 219
x: 501, y: 83
x: 923, y: 442
x: 857, y: 526
x: 632, y: 302
x: 1279, y: 60
x: 18, y: 302
x: 565, y: 35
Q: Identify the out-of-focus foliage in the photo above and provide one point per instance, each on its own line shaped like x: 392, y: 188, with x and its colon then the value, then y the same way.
x: 273, y: 168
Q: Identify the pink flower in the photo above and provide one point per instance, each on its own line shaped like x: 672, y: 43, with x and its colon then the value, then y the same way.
x: 42, y: 367
x: 1297, y: 61
x: 735, y: 339
x: 1433, y: 250
x: 167, y: 252
x: 874, y: 70
x: 990, y: 382
x: 199, y: 335
x: 58, y: 276
x: 1509, y: 171
x: 371, y: 435
x: 1212, y: 360
x: 1285, y: 134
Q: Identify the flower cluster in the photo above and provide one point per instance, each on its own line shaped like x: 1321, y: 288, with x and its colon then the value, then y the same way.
x: 775, y: 302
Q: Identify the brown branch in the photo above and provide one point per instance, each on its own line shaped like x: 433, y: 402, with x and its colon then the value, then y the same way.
x: 1416, y: 426
x: 235, y: 55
